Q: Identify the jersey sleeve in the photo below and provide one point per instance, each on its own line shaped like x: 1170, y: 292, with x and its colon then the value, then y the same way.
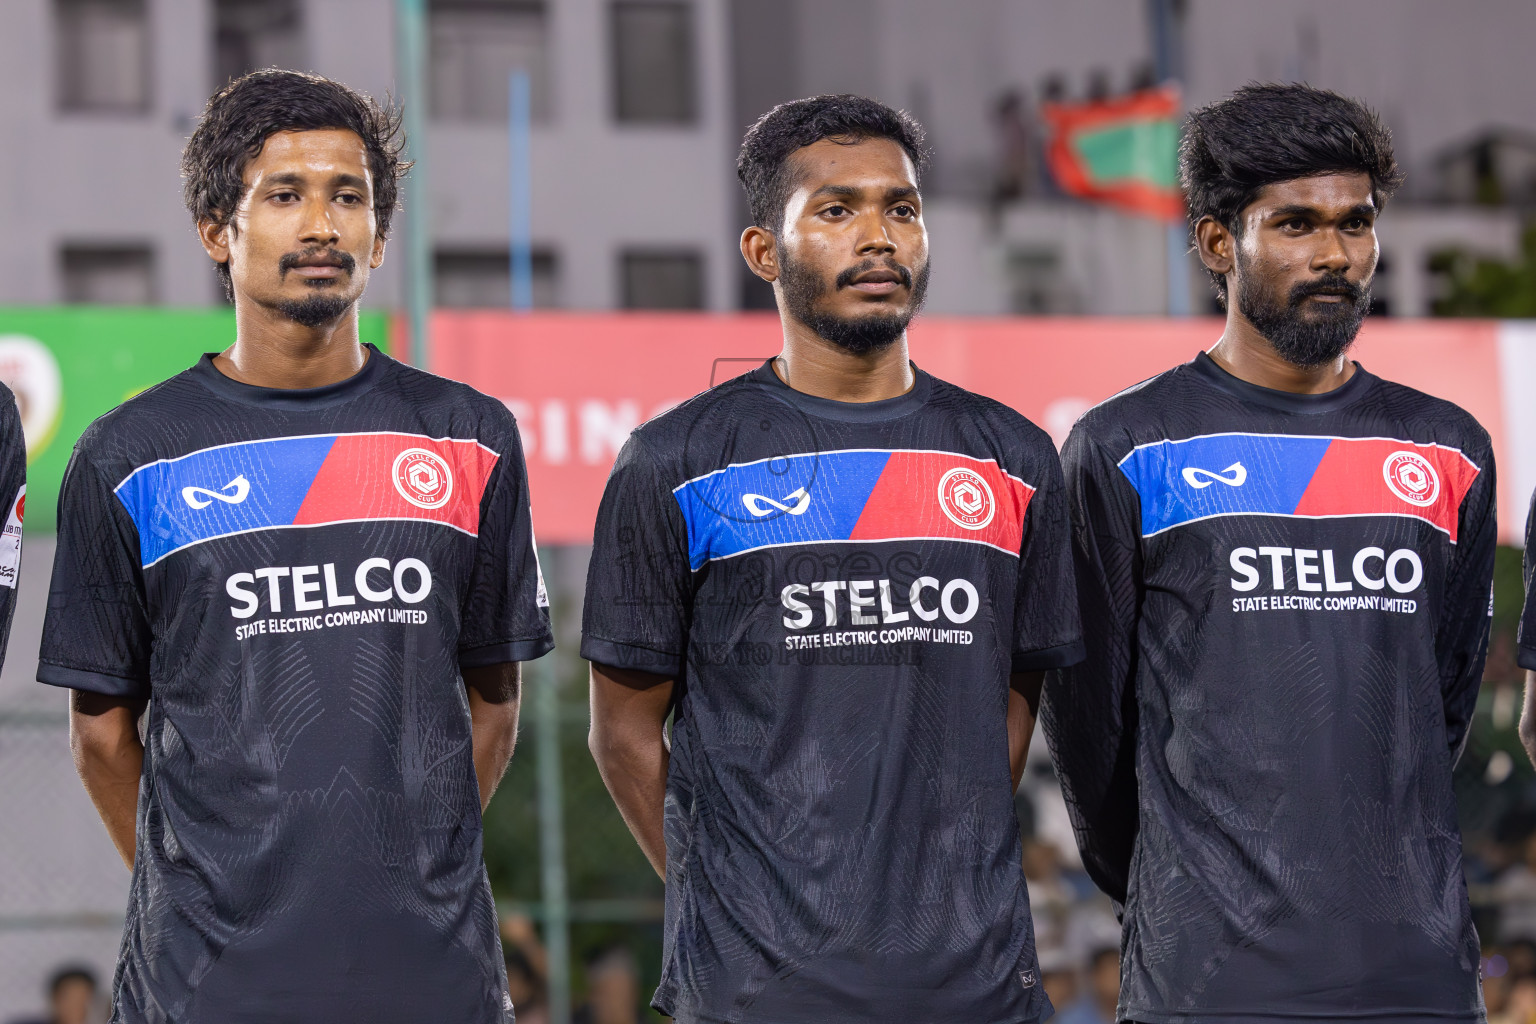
x: 506, y: 609
x: 13, y: 490
x: 639, y: 584
x: 1461, y: 641
x: 96, y: 633
x: 1089, y: 711
x: 1525, y: 652
x: 1046, y: 630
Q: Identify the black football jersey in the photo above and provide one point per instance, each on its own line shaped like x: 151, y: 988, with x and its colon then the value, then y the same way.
x: 840, y: 591
x: 1286, y: 605
x: 294, y: 579
x: 13, y: 491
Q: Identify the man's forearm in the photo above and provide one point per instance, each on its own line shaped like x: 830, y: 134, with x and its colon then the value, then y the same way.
x: 104, y: 738
x: 1023, y: 707
x: 635, y: 773
x: 495, y: 695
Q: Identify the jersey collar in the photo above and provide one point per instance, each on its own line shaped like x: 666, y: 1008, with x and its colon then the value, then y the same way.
x: 206, y: 374
x: 852, y: 412
x: 1285, y: 401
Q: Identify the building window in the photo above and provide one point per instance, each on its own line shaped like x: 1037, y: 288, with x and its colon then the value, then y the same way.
x: 109, y: 275
x: 476, y: 45
x: 482, y: 279
x: 253, y: 34
x: 103, y: 56
x: 663, y: 280
x: 653, y: 63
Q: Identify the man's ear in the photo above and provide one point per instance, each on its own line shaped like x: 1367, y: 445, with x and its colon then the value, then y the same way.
x: 215, y: 237
x: 376, y: 260
x: 760, y: 249
x: 1216, y: 244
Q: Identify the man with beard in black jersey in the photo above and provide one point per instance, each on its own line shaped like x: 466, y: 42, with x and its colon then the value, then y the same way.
x: 314, y: 565
x: 843, y: 578
x: 1284, y: 564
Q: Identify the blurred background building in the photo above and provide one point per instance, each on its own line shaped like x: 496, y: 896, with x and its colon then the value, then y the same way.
x: 637, y: 109
x: 639, y: 105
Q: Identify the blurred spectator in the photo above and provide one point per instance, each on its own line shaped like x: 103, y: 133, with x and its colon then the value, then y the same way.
x: 1098, y: 86
x: 613, y: 989
x: 1059, y: 977
x: 1015, y: 175
x: 71, y: 997
x: 1521, y: 1006
x: 1097, y: 1004
x: 527, y: 969
x: 1051, y: 899
x: 1516, y: 892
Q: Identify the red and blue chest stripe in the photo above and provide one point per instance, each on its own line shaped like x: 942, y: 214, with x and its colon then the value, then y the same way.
x: 852, y: 496
x: 1299, y: 476
x: 305, y: 481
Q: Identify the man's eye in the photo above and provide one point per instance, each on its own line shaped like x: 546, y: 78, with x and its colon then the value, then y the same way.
x: 284, y: 197
x: 904, y: 211
x: 349, y: 199
x: 836, y: 211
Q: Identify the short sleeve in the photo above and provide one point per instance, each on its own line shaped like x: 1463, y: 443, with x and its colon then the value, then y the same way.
x: 13, y: 491
x: 1526, y: 652
x: 96, y: 634
x: 506, y: 608
x: 639, y: 584
x: 1047, y: 632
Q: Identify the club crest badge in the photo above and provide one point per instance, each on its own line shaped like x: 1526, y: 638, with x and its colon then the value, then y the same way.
x: 1412, y: 477
x: 966, y: 498
x: 423, y: 478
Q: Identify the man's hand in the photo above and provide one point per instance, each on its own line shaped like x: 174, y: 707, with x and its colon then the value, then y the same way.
x: 104, y: 737
x: 1528, y: 717
x: 1023, y: 709
x: 629, y: 743
x: 494, y: 695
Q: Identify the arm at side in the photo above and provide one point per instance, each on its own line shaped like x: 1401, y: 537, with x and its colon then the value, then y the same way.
x: 629, y: 743
x: 104, y: 738
x: 495, y: 693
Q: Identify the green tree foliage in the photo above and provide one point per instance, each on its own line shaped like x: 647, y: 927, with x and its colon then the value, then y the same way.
x: 1479, y: 286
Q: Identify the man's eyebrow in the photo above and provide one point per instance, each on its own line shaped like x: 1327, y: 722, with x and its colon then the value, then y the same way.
x: 1299, y: 210
x: 295, y: 178
x: 901, y: 192
x: 837, y: 192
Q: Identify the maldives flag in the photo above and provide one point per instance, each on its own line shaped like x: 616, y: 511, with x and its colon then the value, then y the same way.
x: 1122, y: 151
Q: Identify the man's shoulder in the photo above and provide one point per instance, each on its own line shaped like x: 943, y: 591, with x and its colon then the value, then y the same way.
x: 1438, y: 419
x: 1002, y: 420
x: 140, y: 423
x: 1135, y: 415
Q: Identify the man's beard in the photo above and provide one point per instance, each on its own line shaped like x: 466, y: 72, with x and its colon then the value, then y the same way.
x: 1305, y: 339
x: 870, y: 332
x: 317, y: 309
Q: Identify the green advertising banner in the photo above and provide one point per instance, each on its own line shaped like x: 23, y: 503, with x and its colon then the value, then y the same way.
x: 70, y: 365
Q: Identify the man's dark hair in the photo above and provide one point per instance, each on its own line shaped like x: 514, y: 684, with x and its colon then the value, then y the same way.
x: 1263, y: 134
x: 249, y: 110
x: 763, y: 163
x: 68, y: 973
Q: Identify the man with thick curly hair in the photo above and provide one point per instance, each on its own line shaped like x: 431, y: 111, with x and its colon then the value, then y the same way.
x: 314, y: 567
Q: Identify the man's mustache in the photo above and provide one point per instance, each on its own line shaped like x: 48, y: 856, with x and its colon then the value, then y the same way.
x: 1333, y: 283
x: 845, y: 279
x: 317, y: 256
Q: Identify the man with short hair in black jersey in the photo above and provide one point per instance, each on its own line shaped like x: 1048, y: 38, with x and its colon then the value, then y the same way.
x: 843, y: 579
x: 1284, y: 564
x: 315, y: 566
x: 13, y: 491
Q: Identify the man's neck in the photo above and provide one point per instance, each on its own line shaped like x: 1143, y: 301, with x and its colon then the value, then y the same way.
x: 1247, y: 355
x: 272, y: 351
x: 814, y: 366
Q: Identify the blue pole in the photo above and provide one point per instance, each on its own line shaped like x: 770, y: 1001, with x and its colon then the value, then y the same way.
x: 411, y: 31
x: 519, y: 118
x: 1168, y: 59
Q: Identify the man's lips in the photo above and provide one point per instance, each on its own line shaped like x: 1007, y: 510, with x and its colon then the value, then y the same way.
x: 315, y: 265
x: 880, y: 281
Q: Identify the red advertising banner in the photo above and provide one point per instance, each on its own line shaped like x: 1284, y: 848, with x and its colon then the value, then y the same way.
x: 578, y: 384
